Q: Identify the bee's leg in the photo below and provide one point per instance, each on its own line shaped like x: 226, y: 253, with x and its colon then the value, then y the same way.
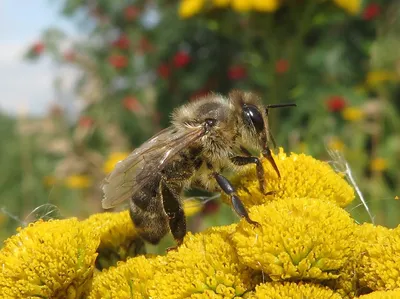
x: 238, y: 160
x: 267, y: 154
x: 174, y: 210
x: 237, y: 204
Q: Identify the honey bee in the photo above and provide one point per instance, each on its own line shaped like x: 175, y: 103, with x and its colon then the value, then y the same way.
x: 206, y: 138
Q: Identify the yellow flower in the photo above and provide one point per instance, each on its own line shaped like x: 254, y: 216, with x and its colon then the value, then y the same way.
x: 374, y: 78
x: 118, y: 237
x: 380, y: 259
x: 189, y: 8
x: 241, y: 5
x: 78, y: 182
x: 336, y: 144
x: 128, y: 280
x: 301, y: 176
x: 352, y: 114
x: 351, y: 6
x: 204, y: 266
x: 281, y: 290
x: 378, y: 164
x: 395, y: 294
x: 53, y: 259
x: 298, y: 239
x: 113, y: 159
x: 265, y: 5
x: 347, y: 285
x: 192, y: 207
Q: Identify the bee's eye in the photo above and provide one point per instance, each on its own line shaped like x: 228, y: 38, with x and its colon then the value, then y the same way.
x: 253, y: 114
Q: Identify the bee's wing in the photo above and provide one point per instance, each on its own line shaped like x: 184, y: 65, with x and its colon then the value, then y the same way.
x: 131, y: 174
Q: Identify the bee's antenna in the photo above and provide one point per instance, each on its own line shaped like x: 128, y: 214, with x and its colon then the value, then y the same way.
x: 279, y: 106
x: 276, y: 106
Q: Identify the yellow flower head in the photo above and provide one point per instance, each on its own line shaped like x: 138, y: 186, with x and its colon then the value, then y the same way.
x: 301, y: 176
x: 53, y: 259
x: 192, y: 207
x: 336, y: 144
x: 281, y: 290
x: 189, y: 8
x: 374, y: 78
x: 395, y: 294
x: 118, y: 237
x: 113, y: 159
x: 352, y: 114
x: 241, y: 5
x: 78, y: 182
x: 205, y: 265
x: 298, y: 239
x: 378, y: 164
x: 127, y: 280
x: 351, y: 6
x: 265, y: 5
x: 380, y: 259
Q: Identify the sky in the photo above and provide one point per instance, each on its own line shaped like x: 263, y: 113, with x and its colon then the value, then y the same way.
x: 27, y: 87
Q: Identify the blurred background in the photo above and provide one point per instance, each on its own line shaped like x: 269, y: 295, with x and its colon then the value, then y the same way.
x: 84, y: 82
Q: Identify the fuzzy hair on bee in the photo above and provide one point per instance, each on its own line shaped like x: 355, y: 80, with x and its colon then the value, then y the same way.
x: 206, y: 138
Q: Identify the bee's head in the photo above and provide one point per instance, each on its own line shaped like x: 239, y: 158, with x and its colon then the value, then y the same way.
x: 252, y: 119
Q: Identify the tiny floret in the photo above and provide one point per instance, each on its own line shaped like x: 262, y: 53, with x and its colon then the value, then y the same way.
x: 281, y: 290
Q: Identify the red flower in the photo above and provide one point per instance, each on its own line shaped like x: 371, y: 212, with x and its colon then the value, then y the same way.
x: 282, y: 66
x: 131, y: 13
x: 122, y: 42
x: 335, y: 103
x: 371, y: 11
x: 237, y: 72
x: 210, y: 207
x: 70, y: 56
x: 85, y: 121
x: 38, y: 48
x: 132, y: 104
x: 118, y: 61
x: 181, y: 59
x: 163, y: 71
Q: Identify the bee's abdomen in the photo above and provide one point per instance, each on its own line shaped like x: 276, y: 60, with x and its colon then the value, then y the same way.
x: 147, y: 213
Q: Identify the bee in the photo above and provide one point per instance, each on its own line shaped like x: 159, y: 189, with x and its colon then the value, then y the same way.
x: 206, y: 138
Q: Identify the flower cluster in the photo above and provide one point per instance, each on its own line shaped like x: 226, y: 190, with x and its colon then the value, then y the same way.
x: 304, y: 245
x: 188, y: 8
x: 53, y: 259
x: 118, y: 238
x: 301, y: 176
